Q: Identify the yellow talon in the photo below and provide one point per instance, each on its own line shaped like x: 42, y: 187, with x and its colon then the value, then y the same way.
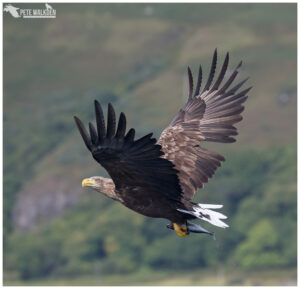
x: 180, y: 230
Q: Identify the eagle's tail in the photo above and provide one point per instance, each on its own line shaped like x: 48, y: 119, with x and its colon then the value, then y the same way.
x: 205, y: 212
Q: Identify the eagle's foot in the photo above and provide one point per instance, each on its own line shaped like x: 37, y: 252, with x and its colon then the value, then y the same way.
x: 181, y: 230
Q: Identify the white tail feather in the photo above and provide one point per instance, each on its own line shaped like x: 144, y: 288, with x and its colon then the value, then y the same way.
x: 210, y: 206
x: 203, y: 212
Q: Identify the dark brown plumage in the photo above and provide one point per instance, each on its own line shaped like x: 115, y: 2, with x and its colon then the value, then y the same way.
x: 159, y: 178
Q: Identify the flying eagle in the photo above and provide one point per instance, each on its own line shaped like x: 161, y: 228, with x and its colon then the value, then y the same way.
x: 159, y: 178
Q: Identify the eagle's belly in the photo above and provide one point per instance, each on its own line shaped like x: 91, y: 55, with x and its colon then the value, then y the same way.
x: 151, y: 204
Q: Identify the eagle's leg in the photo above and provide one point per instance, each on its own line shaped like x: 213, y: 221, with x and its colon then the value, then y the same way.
x: 181, y: 230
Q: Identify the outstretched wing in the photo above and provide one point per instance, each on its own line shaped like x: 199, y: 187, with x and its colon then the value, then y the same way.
x: 129, y: 162
x: 208, y: 115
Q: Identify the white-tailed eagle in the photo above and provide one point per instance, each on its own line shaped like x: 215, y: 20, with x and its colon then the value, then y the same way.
x: 159, y: 178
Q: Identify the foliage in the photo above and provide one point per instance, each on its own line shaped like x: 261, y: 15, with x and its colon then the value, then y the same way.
x: 111, y: 239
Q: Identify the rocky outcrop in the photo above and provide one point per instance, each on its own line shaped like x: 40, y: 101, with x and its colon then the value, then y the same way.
x: 44, y: 200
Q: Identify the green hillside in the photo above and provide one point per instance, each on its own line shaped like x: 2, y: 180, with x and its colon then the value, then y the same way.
x: 135, y: 56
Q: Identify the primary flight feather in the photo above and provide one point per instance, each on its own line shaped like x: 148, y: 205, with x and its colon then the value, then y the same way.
x: 159, y: 178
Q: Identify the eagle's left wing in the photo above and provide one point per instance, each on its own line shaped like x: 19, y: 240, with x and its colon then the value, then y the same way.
x: 130, y: 163
x: 208, y: 115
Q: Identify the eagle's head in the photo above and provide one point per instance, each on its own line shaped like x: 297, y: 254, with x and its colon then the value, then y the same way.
x: 102, y: 185
x: 95, y: 183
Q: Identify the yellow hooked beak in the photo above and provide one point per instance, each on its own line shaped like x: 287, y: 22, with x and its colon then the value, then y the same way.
x: 88, y: 182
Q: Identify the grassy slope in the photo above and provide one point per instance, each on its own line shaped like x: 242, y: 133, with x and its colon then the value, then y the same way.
x: 65, y: 62
x: 165, y: 278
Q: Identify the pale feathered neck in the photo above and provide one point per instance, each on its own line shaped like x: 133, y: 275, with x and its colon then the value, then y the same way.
x: 107, y: 187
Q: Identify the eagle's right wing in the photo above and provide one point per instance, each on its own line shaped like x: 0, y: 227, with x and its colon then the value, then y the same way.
x: 208, y: 115
x: 130, y: 163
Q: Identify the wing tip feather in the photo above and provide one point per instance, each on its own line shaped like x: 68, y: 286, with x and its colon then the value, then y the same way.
x: 190, y: 77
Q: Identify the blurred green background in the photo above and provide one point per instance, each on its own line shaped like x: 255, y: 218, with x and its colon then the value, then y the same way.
x: 135, y: 56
